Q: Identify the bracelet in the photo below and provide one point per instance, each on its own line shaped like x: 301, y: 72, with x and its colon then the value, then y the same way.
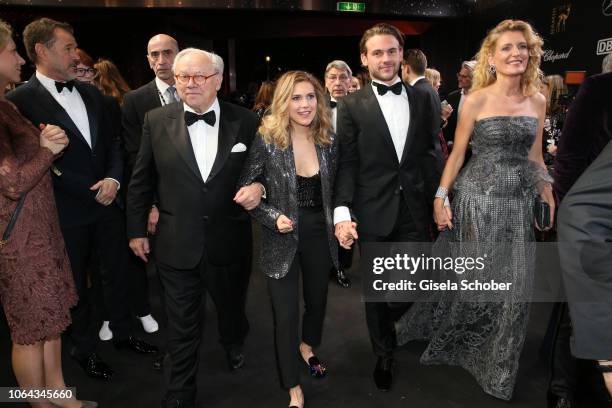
x: 442, y: 193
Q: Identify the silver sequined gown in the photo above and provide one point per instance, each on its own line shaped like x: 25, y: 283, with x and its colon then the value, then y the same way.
x: 493, y: 204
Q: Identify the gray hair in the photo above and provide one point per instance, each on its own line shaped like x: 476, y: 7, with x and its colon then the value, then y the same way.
x: 339, y: 64
x: 470, y: 65
x: 606, y: 64
x: 217, y: 61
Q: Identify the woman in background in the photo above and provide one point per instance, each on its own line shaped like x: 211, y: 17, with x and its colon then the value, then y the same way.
x: 263, y: 99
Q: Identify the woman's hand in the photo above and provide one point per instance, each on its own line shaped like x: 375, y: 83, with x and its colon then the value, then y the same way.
x: 442, y: 215
x: 53, y: 138
x: 284, y: 224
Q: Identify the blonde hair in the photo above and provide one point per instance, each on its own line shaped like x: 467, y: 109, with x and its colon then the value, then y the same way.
x: 530, y: 80
x: 432, y: 76
x: 556, y: 90
x: 6, y: 33
x: 275, y: 127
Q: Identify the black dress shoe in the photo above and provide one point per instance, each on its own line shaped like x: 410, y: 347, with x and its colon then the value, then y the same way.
x: 235, y: 359
x: 339, y: 277
x: 175, y: 403
x: 383, y: 373
x: 555, y: 401
x: 136, y: 345
x: 95, y: 367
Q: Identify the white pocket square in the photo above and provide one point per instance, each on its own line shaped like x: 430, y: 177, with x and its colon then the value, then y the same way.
x: 239, y: 147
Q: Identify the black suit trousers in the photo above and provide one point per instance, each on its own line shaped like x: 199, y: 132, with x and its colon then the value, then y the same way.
x: 185, y: 300
x: 104, y: 240
x: 381, y: 316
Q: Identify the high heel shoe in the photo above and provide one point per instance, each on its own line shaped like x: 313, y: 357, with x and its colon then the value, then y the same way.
x: 317, y: 369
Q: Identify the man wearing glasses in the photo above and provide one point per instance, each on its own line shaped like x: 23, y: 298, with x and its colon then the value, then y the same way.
x: 455, y: 99
x: 190, y: 159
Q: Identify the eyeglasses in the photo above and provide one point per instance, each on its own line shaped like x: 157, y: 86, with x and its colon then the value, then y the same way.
x: 85, y: 71
x: 198, y: 79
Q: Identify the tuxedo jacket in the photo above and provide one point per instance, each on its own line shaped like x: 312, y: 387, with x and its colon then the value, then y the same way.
x: 80, y: 166
x: 586, y: 131
x: 136, y: 104
x: 370, y: 177
x: 585, y: 237
x: 433, y: 107
x: 195, y: 215
x: 453, y: 99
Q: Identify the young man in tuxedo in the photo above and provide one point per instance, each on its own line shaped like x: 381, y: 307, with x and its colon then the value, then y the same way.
x: 190, y: 158
x: 86, y: 180
x: 337, y: 82
x: 388, y: 171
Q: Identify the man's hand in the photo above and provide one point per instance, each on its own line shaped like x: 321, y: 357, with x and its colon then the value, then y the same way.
x: 446, y: 112
x: 153, y: 219
x: 346, y: 233
x: 107, y: 191
x: 140, y: 247
x: 249, y: 196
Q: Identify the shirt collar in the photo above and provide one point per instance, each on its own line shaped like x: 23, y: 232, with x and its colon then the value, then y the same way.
x: 417, y: 79
x: 162, y: 87
x: 47, y: 82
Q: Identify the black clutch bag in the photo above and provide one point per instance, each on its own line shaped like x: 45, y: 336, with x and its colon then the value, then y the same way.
x: 541, y: 211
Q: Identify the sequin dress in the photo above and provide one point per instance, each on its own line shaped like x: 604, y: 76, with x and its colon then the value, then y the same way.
x: 493, y: 208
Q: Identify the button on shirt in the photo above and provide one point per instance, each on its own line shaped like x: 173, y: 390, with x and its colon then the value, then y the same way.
x: 73, y: 104
x: 396, y: 111
x: 204, y: 139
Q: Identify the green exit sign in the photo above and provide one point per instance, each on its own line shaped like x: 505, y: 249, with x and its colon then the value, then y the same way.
x: 350, y: 6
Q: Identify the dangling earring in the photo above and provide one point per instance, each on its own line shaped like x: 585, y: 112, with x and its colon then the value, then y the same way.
x: 492, y: 69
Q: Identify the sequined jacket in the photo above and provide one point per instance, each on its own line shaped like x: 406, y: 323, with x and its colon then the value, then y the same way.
x: 275, y: 168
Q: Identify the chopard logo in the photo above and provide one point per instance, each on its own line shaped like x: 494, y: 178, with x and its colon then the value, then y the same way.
x: 604, y: 46
x: 552, y: 56
x: 606, y: 8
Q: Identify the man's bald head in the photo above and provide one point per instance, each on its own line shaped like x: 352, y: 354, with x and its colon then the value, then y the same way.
x: 161, y: 51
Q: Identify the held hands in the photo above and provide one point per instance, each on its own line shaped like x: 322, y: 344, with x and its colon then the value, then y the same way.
x: 346, y: 233
x: 140, y: 247
x: 249, y: 196
x: 107, y: 191
x: 53, y: 138
x: 152, y: 221
x: 284, y: 224
x: 442, y: 215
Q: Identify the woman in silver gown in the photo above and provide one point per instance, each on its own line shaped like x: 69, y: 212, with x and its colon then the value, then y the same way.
x: 494, y: 195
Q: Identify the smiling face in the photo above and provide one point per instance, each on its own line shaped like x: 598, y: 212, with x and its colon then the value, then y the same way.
x: 511, y: 54
x: 302, y: 105
x: 337, y: 82
x: 10, y: 64
x: 382, y: 57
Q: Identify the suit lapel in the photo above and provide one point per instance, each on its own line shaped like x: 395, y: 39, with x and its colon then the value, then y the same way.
x: 412, y: 126
x: 374, y: 113
x: 46, y: 102
x: 92, y: 113
x: 179, y: 135
x: 228, y: 131
x: 153, y: 95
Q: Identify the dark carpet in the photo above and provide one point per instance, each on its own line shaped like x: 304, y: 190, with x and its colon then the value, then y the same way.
x: 345, y: 350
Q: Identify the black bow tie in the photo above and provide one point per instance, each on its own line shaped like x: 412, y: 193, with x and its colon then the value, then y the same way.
x: 209, y: 117
x: 383, y: 89
x: 61, y: 85
x: 333, y: 104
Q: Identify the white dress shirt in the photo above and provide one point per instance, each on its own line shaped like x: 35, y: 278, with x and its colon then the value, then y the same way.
x: 73, y: 104
x: 396, y: 111
x: 164, y: 96
x: 205, y: 139
x: 334, y: 115
x: 460, y: 102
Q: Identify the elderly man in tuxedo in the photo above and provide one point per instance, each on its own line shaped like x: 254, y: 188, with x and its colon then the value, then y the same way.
x: 190, y: 158
x: 388, y: 171
x: 85, y: 181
